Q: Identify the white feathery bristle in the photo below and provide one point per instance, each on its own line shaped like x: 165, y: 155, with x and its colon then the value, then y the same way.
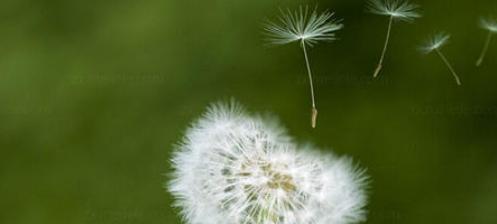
x: 302, y: 25
x: 233, y: 168
x: 435, y: 42
x: 489, y: 24
x: 398, y: 9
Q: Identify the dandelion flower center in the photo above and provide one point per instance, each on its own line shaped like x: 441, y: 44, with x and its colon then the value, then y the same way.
x: 269, y: 176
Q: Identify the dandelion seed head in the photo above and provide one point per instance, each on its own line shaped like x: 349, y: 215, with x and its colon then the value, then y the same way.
x: 303, y: 25
x: 233, y: 168
x: 397, y: 9
x: 435, y: 42
x: 489, y: 24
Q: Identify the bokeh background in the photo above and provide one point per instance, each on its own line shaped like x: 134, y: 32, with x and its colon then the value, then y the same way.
x: 93, y: 94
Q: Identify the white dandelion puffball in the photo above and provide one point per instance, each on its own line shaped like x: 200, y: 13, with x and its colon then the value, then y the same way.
x: 233, y: 168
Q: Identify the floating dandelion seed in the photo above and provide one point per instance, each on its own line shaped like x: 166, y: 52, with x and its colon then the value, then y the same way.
x: 396, y: 10
x: 436, y: 42
x: 233, y: 168
x: 308, y: 28
x: 490, y: 25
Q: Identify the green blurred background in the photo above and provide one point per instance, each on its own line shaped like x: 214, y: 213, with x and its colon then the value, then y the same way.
x: 93, y: 94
